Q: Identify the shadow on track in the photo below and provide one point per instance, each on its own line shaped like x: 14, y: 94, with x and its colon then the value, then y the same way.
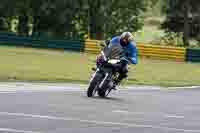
x: 108, y: 98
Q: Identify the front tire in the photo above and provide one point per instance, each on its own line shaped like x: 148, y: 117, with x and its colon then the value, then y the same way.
x: 93, y: 85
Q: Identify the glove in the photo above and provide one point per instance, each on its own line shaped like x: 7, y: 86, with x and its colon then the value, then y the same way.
x: 124, y: 61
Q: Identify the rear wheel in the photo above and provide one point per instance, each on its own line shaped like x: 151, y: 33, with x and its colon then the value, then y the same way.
x: 105, y: 90
x: 104, y: 93
x: 93, y: 85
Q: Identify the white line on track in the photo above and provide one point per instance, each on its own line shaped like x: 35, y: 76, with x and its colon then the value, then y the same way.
x: 16, y: 131
x: 174, y: 116
x: 186, y: 87
x: 99, y: 122
x: 40, y: 90
x: 51, y: 87
x: 33, y: 90
x: 125, y: 112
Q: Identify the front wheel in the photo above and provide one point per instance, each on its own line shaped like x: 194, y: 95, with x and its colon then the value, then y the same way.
x: 94, y: 84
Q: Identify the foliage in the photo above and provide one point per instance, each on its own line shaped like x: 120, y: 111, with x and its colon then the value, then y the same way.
x: 73, y: 19
x: 183, y: 16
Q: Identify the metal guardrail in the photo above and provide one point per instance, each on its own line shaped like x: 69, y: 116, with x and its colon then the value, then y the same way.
x: 193, y: 55
x: 162, y: 52
x: 42, y: 43
x: 90, y: 46
x: 146, y: 50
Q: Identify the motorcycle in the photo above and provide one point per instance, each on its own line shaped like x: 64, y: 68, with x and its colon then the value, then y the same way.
x: 104, y: 78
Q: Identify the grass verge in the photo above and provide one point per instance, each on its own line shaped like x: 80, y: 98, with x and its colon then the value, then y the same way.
x: 36, y: 65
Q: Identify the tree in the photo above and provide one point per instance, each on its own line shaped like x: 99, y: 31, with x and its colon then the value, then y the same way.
x: 183, y: 17
x: 108, y: 18
x: 6, y: 14
x: 73, y: 19
x: 22, y: 10
x: 61, y: 18
x: 125, y: 16
x: 42, y: 16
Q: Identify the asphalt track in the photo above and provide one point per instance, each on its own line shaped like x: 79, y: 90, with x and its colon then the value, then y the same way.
x: 64, y: 108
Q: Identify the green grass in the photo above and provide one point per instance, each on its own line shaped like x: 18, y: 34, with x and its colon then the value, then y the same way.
x: 27, y: 64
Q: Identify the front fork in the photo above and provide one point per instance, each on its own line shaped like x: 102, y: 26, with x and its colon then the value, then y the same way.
x: 103, y: 81
x: 94, y: 74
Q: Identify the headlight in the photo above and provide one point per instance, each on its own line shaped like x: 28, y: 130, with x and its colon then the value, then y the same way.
x: 113, y: 61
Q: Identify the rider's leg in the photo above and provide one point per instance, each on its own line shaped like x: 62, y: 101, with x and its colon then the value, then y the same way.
x: 122, y: 74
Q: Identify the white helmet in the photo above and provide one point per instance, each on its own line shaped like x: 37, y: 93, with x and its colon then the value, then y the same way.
x: 126, y: 35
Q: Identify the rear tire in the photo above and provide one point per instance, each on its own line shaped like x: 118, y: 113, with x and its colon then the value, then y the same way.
x: 102, y: 93
x: 93, y: 84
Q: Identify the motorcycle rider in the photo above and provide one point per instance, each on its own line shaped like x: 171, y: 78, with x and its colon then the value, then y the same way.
x: 127, y: 47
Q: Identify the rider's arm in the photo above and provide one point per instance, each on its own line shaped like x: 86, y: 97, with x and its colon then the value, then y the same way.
x: 133, y: 53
